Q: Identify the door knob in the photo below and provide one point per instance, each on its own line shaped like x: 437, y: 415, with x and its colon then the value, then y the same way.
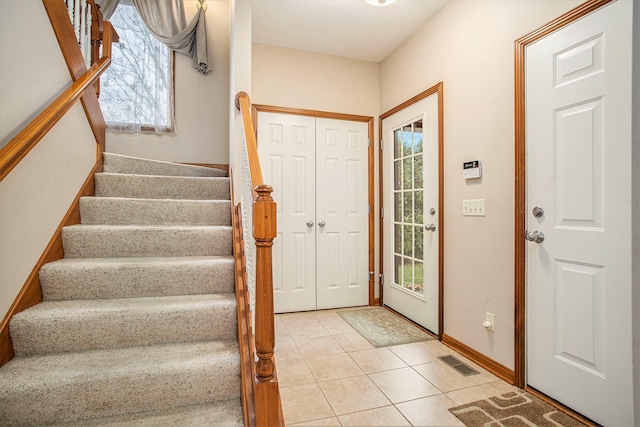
x: 430, y: 227
x: 535, y: 236
x: 322, y: 224
x: 309, y: 224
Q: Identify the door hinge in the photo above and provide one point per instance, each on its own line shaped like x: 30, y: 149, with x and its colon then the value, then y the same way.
x: 382, y: 212
x: 368, y: 209
x: 368, y: 142
x: 381, y: 144
x: 381, y: 277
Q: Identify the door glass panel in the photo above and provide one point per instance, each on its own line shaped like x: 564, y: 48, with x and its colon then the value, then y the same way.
x: 409, y: 207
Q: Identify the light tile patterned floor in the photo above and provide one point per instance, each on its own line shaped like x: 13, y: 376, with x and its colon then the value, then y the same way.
x: 331, y: 376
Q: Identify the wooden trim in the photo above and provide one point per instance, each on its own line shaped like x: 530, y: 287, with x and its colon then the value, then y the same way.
x: 256, y: 108
x: 243, y: 103
x: 12, y: 153
x: 245, y: 342
x: 519, y: 179
x: 436, y: 89
x: 31, y: 292
x: 560, y: 407
x: 487, y: 363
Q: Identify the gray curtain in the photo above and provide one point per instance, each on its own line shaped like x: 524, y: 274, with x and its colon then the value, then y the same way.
x: 166, y: 20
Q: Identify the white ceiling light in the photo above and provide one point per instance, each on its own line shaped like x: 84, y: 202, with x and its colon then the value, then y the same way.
x: 380, y: 2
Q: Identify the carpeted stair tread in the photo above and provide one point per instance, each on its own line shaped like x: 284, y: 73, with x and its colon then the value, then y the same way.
x: 118, y: 163
x: 161, y: 187
x: 114, y: 241
x: 97, y: 278
x: 130, y: 211
x: 227, y: 413
x: 71, y: 387
x: 83, y: 325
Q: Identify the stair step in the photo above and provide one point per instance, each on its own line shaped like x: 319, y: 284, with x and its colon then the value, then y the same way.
x: 99, y: 278
x: 128, y: 211
x: 114, y: 241
x: 118, y: 163
x: 161, y: 187
x: 84, y: 325
x: 227, y: 413
x: 82, y: 386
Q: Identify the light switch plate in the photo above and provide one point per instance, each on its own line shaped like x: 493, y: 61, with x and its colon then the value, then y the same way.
x: 474, y: 207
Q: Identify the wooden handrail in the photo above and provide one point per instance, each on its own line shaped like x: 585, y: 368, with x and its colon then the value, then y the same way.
x: 267, y: 403
x: 27, y: 138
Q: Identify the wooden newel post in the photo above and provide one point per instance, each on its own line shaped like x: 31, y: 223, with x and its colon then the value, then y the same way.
x: 264, y: 231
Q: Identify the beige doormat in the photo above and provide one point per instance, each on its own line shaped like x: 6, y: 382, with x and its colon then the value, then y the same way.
x: 382, y: 328
x: 512, y: 409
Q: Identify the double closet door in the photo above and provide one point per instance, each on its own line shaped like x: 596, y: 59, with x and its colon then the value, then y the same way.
x: 319, y: 172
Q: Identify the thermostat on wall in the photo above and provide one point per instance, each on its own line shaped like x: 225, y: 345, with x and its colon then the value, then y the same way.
x: 472, y: 169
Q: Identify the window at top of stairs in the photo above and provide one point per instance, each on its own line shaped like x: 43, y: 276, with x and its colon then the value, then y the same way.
x: 137, y: 90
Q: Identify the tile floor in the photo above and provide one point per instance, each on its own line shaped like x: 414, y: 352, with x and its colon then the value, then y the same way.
x: 329, y: 375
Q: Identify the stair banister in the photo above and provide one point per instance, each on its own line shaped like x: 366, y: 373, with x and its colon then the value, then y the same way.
x: 15, y: 150
x: 259, y: 209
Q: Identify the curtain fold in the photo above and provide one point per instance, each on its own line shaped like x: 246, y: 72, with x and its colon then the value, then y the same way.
x: 166, y: 20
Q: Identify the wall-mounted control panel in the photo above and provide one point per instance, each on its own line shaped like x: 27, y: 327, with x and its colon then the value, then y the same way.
x: 472, y: 169
x: 474, y: 207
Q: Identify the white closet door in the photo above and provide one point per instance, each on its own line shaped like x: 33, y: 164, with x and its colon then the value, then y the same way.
x: 342, y: 240
x: 286, y: 146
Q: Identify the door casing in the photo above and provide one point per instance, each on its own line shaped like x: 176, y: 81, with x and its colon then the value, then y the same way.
x: 436, y: 89
x: 257, y: 108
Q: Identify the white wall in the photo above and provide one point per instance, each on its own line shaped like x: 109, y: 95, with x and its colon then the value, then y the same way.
x: 201, y: 103
x: 292, y: 78
x: 636, y: 210
x: 469, y: 46
x: 36, y: 195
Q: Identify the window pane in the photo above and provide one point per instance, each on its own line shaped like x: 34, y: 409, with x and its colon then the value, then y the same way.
x: 417, y: 137
x: 407, y: 174
x: 137, y: 89
x: 419, y: 207
x: 407, y: 140
x: 398, y: 238
x: 397, y: 277
x: 418, y: 171
x: 397, y: 207
x: 418, y: 277
x: 408, y: 274
x: 418, y: 244
x: 408, y: 207
x: 397, y: 175
x: 408, y: 240
x: 397, y: 144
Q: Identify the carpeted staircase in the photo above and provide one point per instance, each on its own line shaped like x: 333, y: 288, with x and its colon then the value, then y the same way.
x: 138, y: 324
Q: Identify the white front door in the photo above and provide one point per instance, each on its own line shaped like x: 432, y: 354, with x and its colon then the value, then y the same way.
x: 578, y: 174
x: 318, y: 169
x: 410, y: 223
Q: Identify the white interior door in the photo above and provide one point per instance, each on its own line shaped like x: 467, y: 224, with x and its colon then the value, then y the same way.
x: 319, y: 172
x: 411, y: 186
x: 286, y: 147
x: 342, y: 213
x: 578, y: 171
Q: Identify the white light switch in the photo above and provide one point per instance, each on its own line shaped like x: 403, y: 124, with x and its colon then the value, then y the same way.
x: 473, y: 207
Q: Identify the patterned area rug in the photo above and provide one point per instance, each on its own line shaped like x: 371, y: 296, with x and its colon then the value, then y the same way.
x: 512, y: 409
x: 383, y: 328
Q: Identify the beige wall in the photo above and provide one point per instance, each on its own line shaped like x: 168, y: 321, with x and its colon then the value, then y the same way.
x: 36, y: 195
x: 292, y: 78
x: 202, y: 117
x: 468, y: 45
x: 636, y: 211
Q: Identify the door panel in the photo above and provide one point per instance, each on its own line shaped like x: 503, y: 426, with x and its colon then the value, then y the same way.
x: 342, y: 205
x: 411, y: 198
x: 578, y: 151
x: 288, y: 142
x: 319, y: 172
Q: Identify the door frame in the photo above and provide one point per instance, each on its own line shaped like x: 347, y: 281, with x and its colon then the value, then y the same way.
x: 258, y: 108
x: 439, y: 90
x: 520, y: 176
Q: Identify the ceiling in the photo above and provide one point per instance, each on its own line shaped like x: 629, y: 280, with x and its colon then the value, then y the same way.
x: 347, y: 28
